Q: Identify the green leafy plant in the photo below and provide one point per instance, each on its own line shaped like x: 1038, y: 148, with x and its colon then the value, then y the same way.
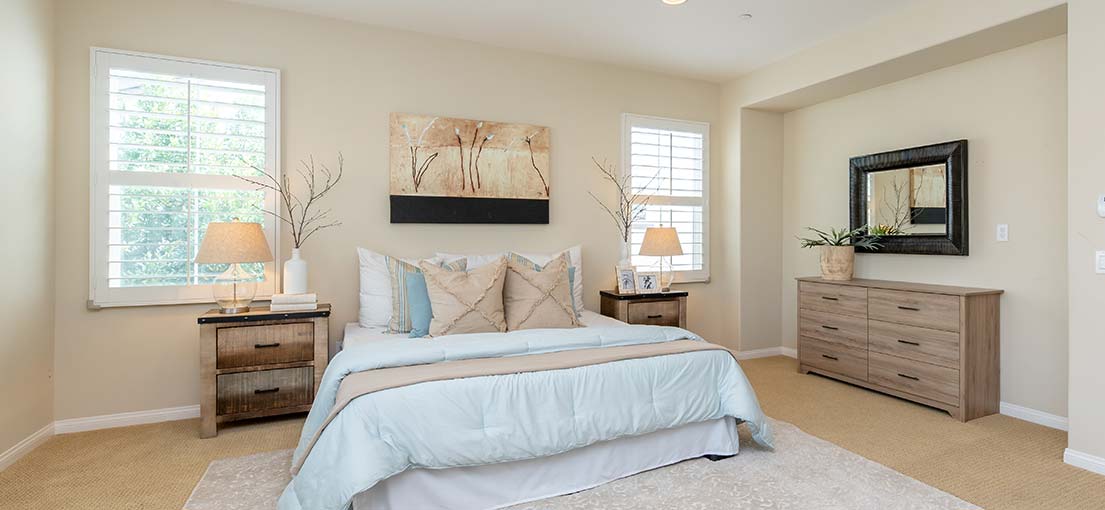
x: 843, y: 237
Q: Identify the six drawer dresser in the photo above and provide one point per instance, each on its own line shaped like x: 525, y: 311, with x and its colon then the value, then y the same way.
x: 933, y: 344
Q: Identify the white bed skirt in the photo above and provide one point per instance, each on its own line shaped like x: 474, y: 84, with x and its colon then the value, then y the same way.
x: 511, y: 483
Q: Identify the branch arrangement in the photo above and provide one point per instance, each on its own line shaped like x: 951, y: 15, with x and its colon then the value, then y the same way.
x: 302, y: 216
x: 631, y: 206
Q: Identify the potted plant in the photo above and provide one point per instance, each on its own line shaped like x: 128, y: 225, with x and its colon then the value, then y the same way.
x: 838, y: 250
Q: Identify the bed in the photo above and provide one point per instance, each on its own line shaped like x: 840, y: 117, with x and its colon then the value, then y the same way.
x: 493, y: 419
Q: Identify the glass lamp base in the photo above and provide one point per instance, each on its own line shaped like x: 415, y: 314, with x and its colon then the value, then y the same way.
x: 234, y: 290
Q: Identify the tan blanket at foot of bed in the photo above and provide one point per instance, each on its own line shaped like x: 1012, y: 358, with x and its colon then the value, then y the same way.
x: 371, y: 381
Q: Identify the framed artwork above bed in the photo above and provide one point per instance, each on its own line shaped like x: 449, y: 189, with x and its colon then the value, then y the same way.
x: 446, y: 170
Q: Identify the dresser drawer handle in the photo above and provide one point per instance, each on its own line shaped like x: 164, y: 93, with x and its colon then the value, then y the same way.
x: 827, y: 298
x: 826, y: 356
x: 907, y: 342
x: 831, y: 328
x: 266, y: 346
x: 655, y: 316
x: 910, y: 377
x: 267, y: 390
x: 910, y: 308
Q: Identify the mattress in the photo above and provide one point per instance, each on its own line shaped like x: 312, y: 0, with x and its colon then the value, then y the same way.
x: 511, y: 483
x: 355, y: 334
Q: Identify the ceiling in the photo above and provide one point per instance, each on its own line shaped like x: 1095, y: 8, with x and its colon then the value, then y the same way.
x: 705, y: 39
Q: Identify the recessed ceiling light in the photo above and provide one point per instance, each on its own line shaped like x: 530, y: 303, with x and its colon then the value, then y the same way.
x: 746, y: 17
x: 674, y: 2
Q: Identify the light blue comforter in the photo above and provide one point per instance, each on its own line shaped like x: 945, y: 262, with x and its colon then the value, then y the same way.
x: 485, y: 420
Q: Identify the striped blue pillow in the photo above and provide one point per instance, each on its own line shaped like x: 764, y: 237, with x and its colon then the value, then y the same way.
x: 401, y: 271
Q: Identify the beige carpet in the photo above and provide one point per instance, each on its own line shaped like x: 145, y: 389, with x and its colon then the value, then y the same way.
x: 996, y: 462
x: 803, y: 473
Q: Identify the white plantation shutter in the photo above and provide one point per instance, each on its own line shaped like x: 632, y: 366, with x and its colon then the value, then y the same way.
x: 169, y: 138
x: 669, y: 162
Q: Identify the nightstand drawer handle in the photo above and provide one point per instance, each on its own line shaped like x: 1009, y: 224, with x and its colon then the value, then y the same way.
x: 266, y: 346
x: 831, y: 328
x: 826, y: 356
x: 910, y: 308
x: 910, y: 377
x: 655, y: 316
x: 907, y: 342
x: 269, y: 390
x: 827, y: 298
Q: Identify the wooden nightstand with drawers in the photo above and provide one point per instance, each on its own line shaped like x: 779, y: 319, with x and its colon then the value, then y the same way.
x: 660, y: 309
x: 260, y: 363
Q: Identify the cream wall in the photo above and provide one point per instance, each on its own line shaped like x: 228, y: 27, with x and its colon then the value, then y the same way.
x: 1086, y: 231
x: 1012, y: 108
x: 340, y: 81
x: 761, y: 156
x: 26, y: 263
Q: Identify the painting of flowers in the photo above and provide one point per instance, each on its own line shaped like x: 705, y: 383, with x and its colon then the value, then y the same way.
x: 447, y: 170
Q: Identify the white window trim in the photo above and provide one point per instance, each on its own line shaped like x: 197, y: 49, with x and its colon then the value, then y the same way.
x: 628, y: 120
x: 100, y: 295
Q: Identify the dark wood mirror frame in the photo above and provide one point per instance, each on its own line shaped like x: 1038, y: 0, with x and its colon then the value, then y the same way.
x: 954, y: 154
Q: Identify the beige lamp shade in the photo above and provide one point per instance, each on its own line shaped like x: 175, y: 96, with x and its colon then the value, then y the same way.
x: 661, y: 242
x: 234, y: 243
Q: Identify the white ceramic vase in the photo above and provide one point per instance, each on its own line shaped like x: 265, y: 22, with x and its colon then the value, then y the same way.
x: 295, y: 274
x: 624, y: 261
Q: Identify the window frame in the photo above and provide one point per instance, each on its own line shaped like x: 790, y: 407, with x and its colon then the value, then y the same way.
x: 652, y: 122
x: 100, y: 293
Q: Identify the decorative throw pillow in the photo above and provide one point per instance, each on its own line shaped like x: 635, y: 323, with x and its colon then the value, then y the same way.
x: 466, y: 302
x: 575, y: 259
x: 537, y: 267
x: 418, y: 299
x: 400, y: 271
x: 538, y: 297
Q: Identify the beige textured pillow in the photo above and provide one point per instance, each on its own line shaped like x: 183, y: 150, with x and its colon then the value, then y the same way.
x: 466, y: 302
x: 535, y: 298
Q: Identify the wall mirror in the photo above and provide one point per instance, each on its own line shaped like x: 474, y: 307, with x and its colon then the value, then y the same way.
x: 914, y: 199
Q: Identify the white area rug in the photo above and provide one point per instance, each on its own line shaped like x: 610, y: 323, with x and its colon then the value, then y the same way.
x: 803, y: 473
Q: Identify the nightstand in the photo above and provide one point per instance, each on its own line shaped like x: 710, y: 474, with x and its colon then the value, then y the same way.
x: 260, y: 363
x: 661, y: 309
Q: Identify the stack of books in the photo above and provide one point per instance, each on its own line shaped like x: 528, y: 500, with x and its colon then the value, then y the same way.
x: 293, y: 302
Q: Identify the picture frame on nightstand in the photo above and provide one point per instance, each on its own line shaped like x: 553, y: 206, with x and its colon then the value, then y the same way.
x: 627, y: 280
x: 647, y: 282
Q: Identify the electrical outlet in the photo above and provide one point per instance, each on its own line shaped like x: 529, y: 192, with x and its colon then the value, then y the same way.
x: 1100, y: 262
x: 1003, y: 233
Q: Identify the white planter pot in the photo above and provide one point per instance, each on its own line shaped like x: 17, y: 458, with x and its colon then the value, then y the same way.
x: 295, y: 274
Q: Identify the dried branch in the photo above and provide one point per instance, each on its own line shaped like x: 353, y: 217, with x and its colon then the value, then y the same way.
x: 631, y: 206
x: 298, y: 213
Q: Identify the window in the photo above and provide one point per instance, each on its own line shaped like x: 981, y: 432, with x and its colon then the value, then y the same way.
x: 170, y: 138
x: 669, y: 161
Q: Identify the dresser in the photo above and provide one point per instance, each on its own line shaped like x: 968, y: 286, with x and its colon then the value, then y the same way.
x: 260, y: 363
x: 933, y: 344
x: 657, y: 309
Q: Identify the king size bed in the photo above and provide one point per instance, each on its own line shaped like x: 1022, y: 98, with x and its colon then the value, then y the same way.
x: 494, y: 419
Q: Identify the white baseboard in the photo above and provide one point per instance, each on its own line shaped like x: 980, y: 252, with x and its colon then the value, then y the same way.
x: 767, y: 353
x: 1085, y: 461
x: 1034, y: 416
x: 25, y: 446
x: 109, y: 421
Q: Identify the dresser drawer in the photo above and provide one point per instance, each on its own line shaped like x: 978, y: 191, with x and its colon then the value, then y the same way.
x: 838, y: 299
x: 922, y: 379
x: 834, y: 358
x: 266, y: 389
x: 655, y: 313
x: 263, y: 345
x: 935, y: 311
x: 918, y: 344
x: 839, y: 329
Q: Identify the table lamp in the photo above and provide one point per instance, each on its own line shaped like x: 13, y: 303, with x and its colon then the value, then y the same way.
x: 234, y: 243
x: 662, y: 242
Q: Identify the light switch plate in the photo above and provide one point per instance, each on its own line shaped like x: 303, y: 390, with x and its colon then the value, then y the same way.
x: 1003, y: 232
x: 1101, y: 205
x: 1100, y: 262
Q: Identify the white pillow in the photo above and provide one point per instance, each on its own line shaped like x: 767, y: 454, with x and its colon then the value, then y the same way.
x: 575, y: 253
x: 375, y: 291
x: 474, y: 261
